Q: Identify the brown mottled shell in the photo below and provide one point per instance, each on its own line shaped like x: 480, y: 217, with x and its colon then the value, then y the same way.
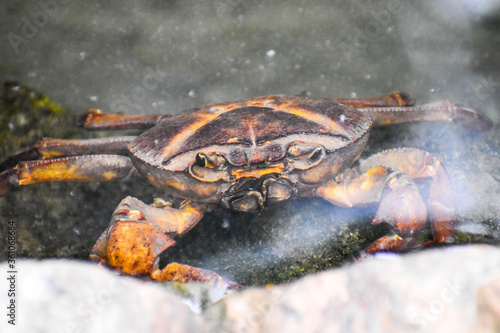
x: 249, y: 131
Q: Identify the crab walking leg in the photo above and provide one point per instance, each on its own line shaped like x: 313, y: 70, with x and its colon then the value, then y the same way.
x: 185, y: 274
x: 96, y: 120
x: 393, y: 99
x: 438, y: 111
x: 421, y: 164
x: 138, y: 234
x: 400, y: 203
x: 50, y: 148
x: 85, y: 168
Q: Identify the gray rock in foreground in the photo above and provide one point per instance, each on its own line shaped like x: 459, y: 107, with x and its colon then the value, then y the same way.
x: 443, y: 290
x: 450, y: 290
x: 70, y: 296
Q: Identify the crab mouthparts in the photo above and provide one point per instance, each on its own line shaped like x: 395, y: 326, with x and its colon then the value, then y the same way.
x: 251, y: 194
x: 259, y: 172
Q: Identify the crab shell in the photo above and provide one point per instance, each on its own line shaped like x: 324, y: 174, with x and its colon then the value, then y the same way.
x: 220, y: 152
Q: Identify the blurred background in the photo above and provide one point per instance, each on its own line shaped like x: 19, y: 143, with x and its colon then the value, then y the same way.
x: 157, y: 56
x: 166, y: 56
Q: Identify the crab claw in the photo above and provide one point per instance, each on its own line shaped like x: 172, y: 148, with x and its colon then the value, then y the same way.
x: 137, y: 236
x: 131, y: 246
x: 402, y: 207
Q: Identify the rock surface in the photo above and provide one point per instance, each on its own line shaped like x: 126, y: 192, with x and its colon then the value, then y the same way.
x: 435, y: 291
x: 71, y: 296
x: 455, y: 289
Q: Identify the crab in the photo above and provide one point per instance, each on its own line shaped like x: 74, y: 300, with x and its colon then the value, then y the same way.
x: 246, y: 155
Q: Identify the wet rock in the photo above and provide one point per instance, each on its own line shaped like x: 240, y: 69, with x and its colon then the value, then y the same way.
x: 433, y: 291
x: 488, y: 306
x: 71, y: 296
x: 452, y: 289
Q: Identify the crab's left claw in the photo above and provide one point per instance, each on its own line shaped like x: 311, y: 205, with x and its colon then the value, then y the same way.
x: 137, y: 236
x: 388, y: 178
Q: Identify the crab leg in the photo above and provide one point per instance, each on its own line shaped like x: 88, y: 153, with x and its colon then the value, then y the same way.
x: 49, y: 148
x: 91, y: 160
x: 96, y: 120
x: 85, y: 168
x: 387, y: 178
x: 137, y: 235
x: 396, y: 98
x: 397, y: 107
x: 438, y: 111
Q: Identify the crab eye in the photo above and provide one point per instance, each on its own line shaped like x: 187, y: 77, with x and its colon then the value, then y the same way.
x: 211, y: 161
x: 316, y: 154
x: 208, y: 168
x: 201, y: 160
x: 305, y: 155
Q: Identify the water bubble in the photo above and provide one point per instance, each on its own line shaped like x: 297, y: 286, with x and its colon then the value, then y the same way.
x: 270, y: 53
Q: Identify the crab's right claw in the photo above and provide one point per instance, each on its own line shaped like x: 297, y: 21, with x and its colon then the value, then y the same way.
x: 131, y: 246
x: 137, y: 236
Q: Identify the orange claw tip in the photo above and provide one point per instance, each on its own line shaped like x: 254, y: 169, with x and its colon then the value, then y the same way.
x: 87, y: 116
x: 131, y: 214
x: 386, y: 243
x: 403, y: 98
